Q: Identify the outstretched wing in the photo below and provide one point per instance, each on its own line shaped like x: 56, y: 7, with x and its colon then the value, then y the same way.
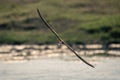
x: 60, y: 39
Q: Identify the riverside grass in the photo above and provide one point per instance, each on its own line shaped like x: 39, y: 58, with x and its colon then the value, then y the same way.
x: 86, y: 21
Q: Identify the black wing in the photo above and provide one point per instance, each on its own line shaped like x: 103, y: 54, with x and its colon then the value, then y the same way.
x: 60, y: 39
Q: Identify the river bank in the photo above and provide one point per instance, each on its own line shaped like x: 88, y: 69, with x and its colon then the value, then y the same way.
x: 29, y: 52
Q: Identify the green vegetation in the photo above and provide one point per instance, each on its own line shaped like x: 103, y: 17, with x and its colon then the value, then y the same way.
x: 77, y: 21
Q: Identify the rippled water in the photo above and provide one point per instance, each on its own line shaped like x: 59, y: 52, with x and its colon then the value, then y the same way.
x: 57, y: 69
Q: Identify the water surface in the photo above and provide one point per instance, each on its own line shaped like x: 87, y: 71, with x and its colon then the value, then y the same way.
x: 58, y: 69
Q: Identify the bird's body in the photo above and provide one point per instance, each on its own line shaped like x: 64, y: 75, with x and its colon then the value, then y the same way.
x: 61, y: 41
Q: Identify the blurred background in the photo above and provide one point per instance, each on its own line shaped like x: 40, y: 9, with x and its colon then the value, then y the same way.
x: 91, y: 27
x: 78, y: 21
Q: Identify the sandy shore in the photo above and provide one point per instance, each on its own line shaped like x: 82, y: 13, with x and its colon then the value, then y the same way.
x: 28, y: 52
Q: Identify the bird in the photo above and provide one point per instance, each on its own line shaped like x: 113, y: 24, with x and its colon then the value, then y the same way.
x: 60, y: 39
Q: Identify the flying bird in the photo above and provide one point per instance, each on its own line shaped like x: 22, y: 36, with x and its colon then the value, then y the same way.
x: 60, y: 39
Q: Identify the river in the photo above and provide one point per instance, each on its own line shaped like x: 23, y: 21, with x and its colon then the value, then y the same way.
x: 60, y: 69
